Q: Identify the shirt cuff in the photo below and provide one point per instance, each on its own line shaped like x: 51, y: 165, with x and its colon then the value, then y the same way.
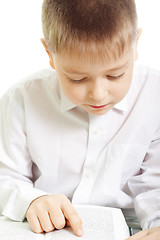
x: 19, y: 200
x: 155, y: 223
x: 147, y: 207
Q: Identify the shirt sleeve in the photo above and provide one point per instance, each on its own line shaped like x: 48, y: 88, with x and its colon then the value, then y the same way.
x: 16, y: 185
x: 146, y: 187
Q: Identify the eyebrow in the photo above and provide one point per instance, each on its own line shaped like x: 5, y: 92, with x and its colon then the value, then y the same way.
x: 70, y: 71
x: 119, y: 67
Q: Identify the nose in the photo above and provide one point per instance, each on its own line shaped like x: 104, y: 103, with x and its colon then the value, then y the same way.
x: 98, y: 91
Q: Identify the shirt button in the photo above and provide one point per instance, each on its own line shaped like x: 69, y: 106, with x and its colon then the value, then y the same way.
x: 89, y: 173
x: 97, y: 131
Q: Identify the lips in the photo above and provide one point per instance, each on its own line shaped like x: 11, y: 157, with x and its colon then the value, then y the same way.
x: 98, y: 107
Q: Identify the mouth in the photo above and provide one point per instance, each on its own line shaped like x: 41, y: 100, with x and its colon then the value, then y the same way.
x: 98, y: 107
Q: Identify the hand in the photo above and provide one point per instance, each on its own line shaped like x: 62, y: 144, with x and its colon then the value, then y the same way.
x: 148, y: 234
x: 47, y: 213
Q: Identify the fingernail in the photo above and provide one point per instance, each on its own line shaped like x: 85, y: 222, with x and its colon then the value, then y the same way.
x: 80, y: 232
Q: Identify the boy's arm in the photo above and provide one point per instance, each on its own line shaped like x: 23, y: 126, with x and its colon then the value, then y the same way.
x: 19, y: 198
x: 16, y: 187
x: 146, y: 187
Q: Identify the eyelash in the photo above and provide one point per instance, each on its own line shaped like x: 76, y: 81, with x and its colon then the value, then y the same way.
x: 109, y: 77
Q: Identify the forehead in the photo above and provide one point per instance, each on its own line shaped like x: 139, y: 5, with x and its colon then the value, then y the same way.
x: 93, y: 55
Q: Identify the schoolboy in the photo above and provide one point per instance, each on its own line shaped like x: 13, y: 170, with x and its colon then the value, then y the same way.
x: 88, y: 133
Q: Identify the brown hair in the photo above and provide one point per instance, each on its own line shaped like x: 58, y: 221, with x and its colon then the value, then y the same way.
x: 89, y: 24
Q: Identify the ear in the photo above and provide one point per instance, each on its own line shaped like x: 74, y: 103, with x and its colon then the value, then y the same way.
x: 136, y: 46
x: 49, y: 55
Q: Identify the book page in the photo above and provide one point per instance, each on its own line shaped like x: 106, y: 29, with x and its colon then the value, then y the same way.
x: 121, y: 230
x: 12, y: 230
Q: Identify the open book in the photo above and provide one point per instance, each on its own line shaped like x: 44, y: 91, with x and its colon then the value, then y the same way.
x: 99, y: 223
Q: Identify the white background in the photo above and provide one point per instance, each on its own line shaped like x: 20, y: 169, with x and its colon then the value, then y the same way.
x: 21, y: 52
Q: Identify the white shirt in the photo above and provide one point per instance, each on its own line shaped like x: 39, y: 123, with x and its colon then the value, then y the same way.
x: 48, y: 146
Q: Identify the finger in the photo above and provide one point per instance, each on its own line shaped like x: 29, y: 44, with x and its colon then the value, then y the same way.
x: 57, y: 218
x: 68, y: 223
x: 139, y: 235
x: 34, y: 224
x: 73, y: 218
x: 45, y: 221
x: 152, y: 233
x: 150, y: 236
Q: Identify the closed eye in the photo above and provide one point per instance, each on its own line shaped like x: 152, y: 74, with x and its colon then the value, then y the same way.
x: 77, y: 80
x: 115, y: 77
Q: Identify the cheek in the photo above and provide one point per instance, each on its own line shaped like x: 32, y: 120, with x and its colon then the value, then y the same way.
x: 77, y: 94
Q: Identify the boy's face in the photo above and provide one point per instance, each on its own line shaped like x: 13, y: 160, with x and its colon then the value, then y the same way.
x: 95, y: 86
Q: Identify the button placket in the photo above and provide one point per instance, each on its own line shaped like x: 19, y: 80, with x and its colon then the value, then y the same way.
x: 84, y: 189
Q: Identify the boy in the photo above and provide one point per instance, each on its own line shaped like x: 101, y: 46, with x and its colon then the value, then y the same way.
x: 89, y: 132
